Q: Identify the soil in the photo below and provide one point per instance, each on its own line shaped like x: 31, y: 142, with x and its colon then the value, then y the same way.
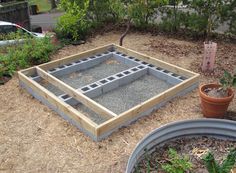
x: 216, y: 92
x: 34, y: 138
x: 194, y: 149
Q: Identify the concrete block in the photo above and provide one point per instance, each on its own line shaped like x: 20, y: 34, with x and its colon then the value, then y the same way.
x: 95, y: 90
x: 144, y: 63
x: 113, y: 82
x: 165, y: 75
x: 173, y: 80
x: 119, y: 58
x: 103, y: 81
x: 142, y: 70
x: 69, y: 100
x: 182, y: 78
x: 131, y: 61
x: 158, y: 73
x: 122, y: 79
x: 106, y: 56
x: 151, y: 65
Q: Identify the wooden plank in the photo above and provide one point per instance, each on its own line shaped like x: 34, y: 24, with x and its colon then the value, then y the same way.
x: 133, y: 112
x: 78, y: 117
x: 156, y: 62
x: 76, y: 94
x: 72, y: 58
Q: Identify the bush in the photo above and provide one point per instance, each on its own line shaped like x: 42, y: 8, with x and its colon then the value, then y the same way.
x: 32, y: 52
x: 201, y: 18
x: 74, y: 24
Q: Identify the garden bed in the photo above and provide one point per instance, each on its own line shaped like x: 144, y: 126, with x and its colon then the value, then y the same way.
x: 112, y: 85
x: 194, y: 148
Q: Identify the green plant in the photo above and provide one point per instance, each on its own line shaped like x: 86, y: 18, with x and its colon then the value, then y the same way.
x: 228, y: 80
x: 209, y: 13
x: 30, y: 52
x: 226, y: 166
x: 74, y: 24
x: 177, y: 163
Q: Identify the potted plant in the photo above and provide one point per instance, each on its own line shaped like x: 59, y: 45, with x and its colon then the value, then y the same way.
x: 215, y: 98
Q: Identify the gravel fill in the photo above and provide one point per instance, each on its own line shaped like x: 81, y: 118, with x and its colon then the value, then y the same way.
x: 128, y: 96
x: 79, y: 79
x: 50, y: 87
x: 90, y: 114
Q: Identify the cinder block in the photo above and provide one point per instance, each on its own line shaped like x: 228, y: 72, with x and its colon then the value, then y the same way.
x: 141, y: 72
x: 105, y: 57
x: 144, y: 63
x: 130, y: 61
x: 158, y: 73
x: 122, y: 78
x: 165, y: 75
x: 94, y: 91
x: 113, y: 82
x: 173, y: 80
x: 67, y: 99
x: 182, y: 78
x: 119, y: 58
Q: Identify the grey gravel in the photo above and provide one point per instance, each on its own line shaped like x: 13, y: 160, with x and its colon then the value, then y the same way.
x: 50, y: 87
x: 81, y: 78
x: 118, y: 100
x: 128, y: 96
x: 90, y: 114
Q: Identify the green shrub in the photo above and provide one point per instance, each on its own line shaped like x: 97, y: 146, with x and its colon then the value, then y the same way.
x: 74, y: 24
x: 32, y: 52
x: 172, y: 20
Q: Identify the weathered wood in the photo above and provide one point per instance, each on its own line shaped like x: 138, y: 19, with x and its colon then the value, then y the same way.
x: 76, y: 94
x: 72, y: 58
x: 133, y: 112
x: 68, y: 110
x: 156, y: 62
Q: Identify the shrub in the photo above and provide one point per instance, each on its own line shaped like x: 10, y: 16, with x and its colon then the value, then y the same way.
x: 74, y: 24
x: 32, y: 52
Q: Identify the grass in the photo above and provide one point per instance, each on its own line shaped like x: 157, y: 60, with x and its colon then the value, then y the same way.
x: 44, y: 5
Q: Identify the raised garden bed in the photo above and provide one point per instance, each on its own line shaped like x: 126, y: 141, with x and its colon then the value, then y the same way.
x: 105, y: 88
x: 192, y: 138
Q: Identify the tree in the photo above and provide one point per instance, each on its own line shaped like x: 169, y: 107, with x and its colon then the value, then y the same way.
x: 53, y: 4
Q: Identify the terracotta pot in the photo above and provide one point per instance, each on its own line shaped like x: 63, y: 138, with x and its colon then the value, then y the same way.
x: 214, y: 107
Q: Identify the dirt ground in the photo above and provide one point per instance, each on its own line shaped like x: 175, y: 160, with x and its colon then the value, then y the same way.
x: 33, y: 138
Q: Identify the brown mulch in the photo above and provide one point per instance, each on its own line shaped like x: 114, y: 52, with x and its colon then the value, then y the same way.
x: 33, y: 138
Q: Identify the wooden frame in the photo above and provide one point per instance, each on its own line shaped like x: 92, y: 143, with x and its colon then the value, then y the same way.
x: 97, y: 132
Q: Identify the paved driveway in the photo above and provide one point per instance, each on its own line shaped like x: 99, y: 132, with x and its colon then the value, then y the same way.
x: 46, y: 20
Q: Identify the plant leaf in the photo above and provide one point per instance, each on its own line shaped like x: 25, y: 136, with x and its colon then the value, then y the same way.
x: 229, y: 162
x: 227, y: 75
x: 234, y: 81
x: 210, y: 163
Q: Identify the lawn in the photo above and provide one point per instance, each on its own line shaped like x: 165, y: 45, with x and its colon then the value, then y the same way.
x: 44, y: 5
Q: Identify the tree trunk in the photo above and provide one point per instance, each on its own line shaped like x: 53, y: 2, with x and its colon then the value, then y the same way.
x: 175, y: 28
x: 125, y: 33
x: 53, y: 4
